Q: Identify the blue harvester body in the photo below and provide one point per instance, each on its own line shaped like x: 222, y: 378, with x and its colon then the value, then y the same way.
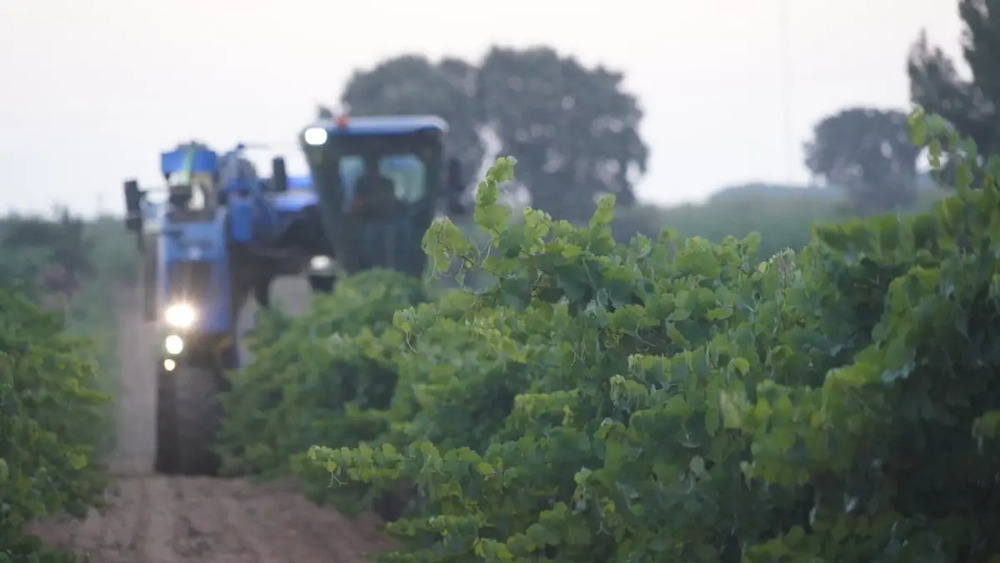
x: 222, y: 234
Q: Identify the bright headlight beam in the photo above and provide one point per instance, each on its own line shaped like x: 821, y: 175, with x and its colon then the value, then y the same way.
x: 174, y: 344
x: 315, y: 136
x: 180, y: 315
x: 320, y: 262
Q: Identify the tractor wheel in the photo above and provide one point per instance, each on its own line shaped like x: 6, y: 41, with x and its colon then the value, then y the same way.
x: 166, y: 426
x: 188, y: 415
x: 322, y: 284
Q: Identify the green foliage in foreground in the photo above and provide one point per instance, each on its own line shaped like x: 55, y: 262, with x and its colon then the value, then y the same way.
x: 50, y: 414
x: 298, y: 390
x: 677, y: 400
x: 63, y: 262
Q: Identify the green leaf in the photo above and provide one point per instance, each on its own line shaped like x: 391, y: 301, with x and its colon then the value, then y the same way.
x: 918, y: 126
x: 741, y: 365
x: 76, y: 460
x: 697, y: 466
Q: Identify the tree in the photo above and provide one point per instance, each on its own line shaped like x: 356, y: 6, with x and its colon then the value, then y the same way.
x: 972, y: 106
x: 572, y: 129
x: 411, y: 84
x: 868, y: 153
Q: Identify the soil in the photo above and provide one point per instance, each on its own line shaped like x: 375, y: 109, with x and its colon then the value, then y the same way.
x: 153, y: 518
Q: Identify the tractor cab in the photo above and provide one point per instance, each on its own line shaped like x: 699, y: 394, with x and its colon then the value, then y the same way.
x: 189, y: 171
x: 378, y: 182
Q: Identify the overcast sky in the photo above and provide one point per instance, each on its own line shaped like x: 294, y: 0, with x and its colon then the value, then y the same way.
x: 91, y: 91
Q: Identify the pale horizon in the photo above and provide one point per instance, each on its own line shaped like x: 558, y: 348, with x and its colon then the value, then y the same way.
x: 94, y: 91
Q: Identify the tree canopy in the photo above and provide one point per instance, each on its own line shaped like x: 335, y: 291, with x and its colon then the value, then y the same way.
x: 573, y: 130
x: 868, y: 153
x: 970, y: 105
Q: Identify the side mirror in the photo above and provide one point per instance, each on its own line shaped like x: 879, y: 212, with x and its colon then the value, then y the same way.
x: 133, y: 207
x: 279, y: 176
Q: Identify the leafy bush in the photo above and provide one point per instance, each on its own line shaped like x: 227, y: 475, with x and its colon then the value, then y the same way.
x: 299, y: 387
x: 677, y: 400
x: 50, y: 413
x: 66, y: 263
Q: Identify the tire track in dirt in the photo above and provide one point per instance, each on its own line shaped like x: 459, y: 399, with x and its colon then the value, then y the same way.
x: 165, y: 519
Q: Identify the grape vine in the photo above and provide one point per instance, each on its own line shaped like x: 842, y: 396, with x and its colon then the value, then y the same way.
x: 667, y: 400
x: 50, y: 425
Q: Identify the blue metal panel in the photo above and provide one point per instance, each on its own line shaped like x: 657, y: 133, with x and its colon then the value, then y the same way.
x: 291, y: 202
x: 266, y: 219
x: 383, y: 125
x: 199, y: 242
x: 241, y: 220
x: 218, y: 316
x: 237, y: 174
x: 300, y: 182
x: 201, y: 160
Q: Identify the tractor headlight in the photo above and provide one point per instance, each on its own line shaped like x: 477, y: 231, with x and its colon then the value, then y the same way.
x: 174, y: 344
x: 315, y: 136
x: 320, y: 263
x: 180, y: 315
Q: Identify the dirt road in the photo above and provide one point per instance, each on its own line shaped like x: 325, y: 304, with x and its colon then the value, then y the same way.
x: 158, y: 519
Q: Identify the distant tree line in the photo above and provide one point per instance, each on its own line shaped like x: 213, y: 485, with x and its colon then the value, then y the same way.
x: 575, y: 131
x: 44, y: 257
x: 867, y: 152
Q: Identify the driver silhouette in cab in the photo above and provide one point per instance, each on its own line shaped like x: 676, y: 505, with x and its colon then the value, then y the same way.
x: 374, y: 194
